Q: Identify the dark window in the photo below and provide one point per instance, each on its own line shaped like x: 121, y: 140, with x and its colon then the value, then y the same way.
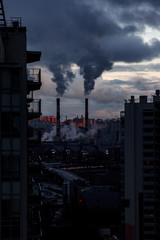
x: 16, y: 164
x: 15, y: 78
x: 6, y: 123
x: 147, y: 130
x: 148, y: 154
x: 148, y: 187
x: 148, y: 138
x: 6, y: 210
x: 148, y: 146
x: 10, y: 165
x: 10, y: 124
x: 6, y: 79
x: 16, y: 123
x: 16, y: 210
x: 148, y: 122
x: 6, y: 165
x: 148, y: 114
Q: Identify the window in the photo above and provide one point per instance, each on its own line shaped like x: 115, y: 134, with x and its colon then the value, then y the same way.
x: 15, y: 143
x: 16, y: 209
x: 148, y: 130
x: 148, y: 114
x: 6, y: 144
x: 15, y: 78
x: 6, y: 100
x: 6, y: 79
x: 15, y: 123
x: 6, y: 188
x: 5, y: 165
x: 148, y: 138
x: 16, y: 164
x: 15, y: 100
x: 10, y: 165
x: 148, y: 154
x: 16, y: 187
x: 6, y: 209
x: 147, y: 122
x: 6, y: 123
x: 148, y: 146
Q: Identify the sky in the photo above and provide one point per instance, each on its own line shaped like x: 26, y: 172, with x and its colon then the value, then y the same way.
x: 105, y: 50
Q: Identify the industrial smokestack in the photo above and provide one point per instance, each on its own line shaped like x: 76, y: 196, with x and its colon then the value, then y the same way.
x: 86, y: 114
x: 58, y: 118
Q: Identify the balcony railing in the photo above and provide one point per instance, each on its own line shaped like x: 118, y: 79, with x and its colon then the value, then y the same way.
x: 14, y: 22
x: 34, y: 109
x: 33, y: 79
x: 34, y: 75
x: 30, y: 96
x: 35, y: 106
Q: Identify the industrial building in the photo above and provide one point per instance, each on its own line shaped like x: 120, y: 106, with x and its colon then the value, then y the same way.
x: 140, y: 193
x: 17, y: 82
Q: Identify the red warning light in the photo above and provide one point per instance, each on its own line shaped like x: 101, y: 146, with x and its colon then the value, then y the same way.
x: 80, y: 200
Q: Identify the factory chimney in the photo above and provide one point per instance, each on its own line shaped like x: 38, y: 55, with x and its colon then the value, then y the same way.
x: 58, y: 118
x: 86, y: 114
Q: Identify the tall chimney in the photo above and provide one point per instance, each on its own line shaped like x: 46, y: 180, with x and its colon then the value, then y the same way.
x: 86, y: 114
x: 58, y: 118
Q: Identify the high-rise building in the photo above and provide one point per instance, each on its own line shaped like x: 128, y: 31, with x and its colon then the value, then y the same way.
x: 140, y: 138
x: 15, y: 110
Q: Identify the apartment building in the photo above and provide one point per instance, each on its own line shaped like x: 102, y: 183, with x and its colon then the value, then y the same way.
x: 140, y: 143
x: 16, y: 82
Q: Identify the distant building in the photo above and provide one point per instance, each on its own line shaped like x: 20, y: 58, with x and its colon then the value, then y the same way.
x: 48, y: 119
x: 140, y: 138
x: 14, y: 87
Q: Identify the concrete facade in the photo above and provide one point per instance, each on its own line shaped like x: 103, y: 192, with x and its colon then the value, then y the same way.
x: 141, y: 168
x: 13, y: 132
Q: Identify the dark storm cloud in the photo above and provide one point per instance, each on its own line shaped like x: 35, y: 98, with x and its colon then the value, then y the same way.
x: 137, y: 68
x: 140, y: 84
x: 133, y: 49
x: 126, y: 3
x: 149, y: 17
x: 78, y: 32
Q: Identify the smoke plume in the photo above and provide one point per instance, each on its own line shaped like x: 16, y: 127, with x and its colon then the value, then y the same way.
x: 69, y: 133
x: 63, y: 76
x: 92, y: 66
x: 90, y: 34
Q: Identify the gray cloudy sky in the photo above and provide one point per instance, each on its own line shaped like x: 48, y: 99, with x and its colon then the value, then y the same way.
x: 103, y: 49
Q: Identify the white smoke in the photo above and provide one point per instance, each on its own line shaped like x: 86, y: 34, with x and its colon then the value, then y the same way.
x: 48, y: 137
x: 69, y: 132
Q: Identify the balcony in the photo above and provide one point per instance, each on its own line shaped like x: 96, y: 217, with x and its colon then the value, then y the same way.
x: 33, y: 56
x: 33, y: 79
x: 30, y: 97
x: 34, y: 109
